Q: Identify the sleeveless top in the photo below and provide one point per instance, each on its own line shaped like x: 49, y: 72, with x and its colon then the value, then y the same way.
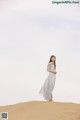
x: 50, y: 67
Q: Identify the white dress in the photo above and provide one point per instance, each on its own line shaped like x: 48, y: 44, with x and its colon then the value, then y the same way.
x: 48, y: 86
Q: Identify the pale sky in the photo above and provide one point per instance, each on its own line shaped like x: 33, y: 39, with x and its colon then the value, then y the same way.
x: 30, y: 32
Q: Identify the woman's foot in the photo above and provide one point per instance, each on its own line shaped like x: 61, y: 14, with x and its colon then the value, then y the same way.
x: 51, y: 100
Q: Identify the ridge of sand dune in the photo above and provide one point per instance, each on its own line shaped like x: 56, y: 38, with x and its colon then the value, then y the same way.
x: 42, y: 110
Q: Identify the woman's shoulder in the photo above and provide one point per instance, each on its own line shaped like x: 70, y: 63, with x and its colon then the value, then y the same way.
x: 50, y: 63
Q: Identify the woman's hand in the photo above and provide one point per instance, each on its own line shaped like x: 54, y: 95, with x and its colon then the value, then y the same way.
x: 55, y: 72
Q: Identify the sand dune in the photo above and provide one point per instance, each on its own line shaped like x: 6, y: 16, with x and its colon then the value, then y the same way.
x: 42, y: 110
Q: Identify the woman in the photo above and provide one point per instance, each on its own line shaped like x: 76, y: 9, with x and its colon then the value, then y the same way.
x: 47, y: 88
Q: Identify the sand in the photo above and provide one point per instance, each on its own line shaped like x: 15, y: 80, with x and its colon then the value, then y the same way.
x: 42, y: 110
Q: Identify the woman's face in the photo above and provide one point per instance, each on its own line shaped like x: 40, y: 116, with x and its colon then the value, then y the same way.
x: 53, y: 59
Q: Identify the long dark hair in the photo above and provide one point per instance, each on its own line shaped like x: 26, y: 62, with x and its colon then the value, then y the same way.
x: 51, y: 60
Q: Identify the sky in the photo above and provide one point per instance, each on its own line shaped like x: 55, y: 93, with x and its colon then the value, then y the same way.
x: 30, y: 32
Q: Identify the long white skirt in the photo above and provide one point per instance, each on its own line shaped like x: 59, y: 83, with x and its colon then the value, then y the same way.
x: 48, y: 86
